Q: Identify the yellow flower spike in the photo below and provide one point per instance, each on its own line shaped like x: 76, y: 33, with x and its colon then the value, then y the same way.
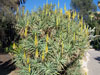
x: 75, y: 13
x: 51, y: 3
x: 85, y: 73
x: 74, y: 38
x: 49, y: 13
x: 46, y: 48
x: 29, y: 68
x: 84, y: 26
x: 69, y: 15
x: 43, y: 56
x: 81, y: 25
x: 65, y: 7
x: 28, y: 60
x: 24, y: 55
x: 14, y: 45
x: 87, y: 31
x: 57, y: 22
x: 36, y: 41
x: 62, y: 49
x: 16, y: 17
x: 66, y: 12
x: 61, y: 11
x: 47, y: 38
x: 55, y: 10
x: 81, y: 28
x: 36, y: 53
x: 58, y: 3
x: 26, y: 30
x: 46, y: 11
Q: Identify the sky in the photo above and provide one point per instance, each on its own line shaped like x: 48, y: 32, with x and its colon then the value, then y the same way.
x: 34, y: 4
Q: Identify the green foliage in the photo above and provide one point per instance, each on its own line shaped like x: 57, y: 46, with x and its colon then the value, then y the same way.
x: 83, y: 7
x: 66, y: 40
x: 95, y: 22
x: 7, y: 21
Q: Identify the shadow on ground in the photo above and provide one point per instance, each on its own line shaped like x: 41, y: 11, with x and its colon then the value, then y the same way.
x: 98, y: 59
x: 6, y: 65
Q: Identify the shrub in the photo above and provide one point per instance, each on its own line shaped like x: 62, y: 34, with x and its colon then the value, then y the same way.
x: 49, y: 41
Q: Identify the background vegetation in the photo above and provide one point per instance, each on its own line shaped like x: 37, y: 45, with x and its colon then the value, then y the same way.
x: 88, y: 9
x: 8, y: 21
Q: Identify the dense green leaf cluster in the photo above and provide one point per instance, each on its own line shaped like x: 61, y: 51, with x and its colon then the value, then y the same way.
x: 67, y: 41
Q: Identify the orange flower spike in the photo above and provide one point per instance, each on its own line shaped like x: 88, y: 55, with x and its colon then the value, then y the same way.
x: 36, y: 41
x: 46, y: 49
x: 36, y: 53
